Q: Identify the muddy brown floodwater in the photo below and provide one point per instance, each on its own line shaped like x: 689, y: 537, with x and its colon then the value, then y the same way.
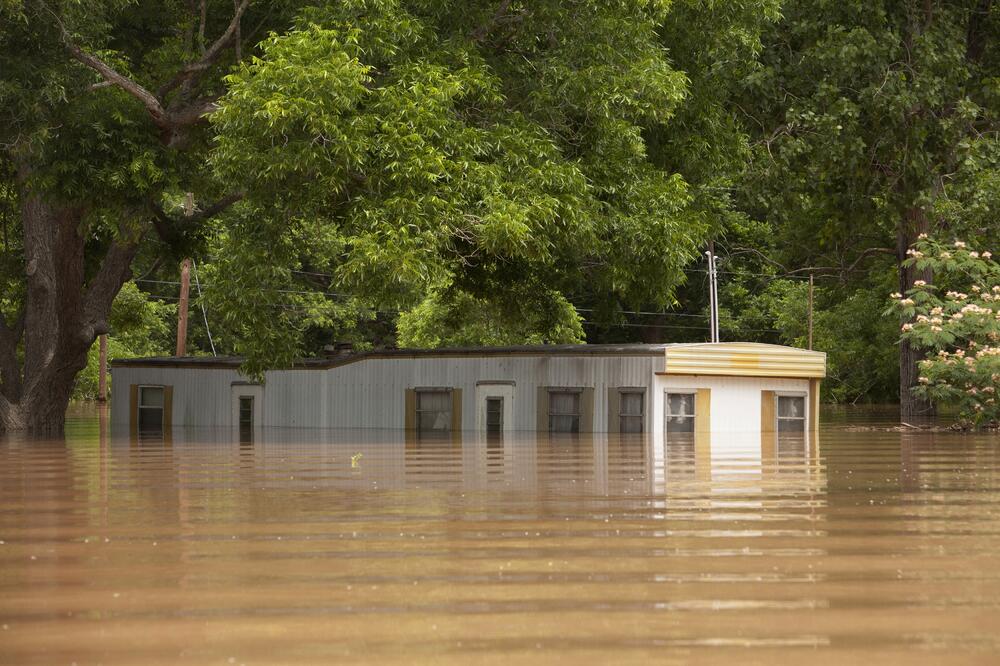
x: 320, y: 547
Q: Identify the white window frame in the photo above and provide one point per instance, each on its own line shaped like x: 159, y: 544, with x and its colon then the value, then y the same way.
x: 666, y: 408
x: 805, y: 410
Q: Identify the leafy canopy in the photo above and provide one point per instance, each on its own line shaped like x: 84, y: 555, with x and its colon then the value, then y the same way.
x: 437, y: 158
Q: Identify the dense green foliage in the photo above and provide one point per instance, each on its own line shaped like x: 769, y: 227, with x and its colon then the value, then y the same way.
x: 476, y: 171
x: 433, y: 172
x: 873, y: 122
x: 958, y: 319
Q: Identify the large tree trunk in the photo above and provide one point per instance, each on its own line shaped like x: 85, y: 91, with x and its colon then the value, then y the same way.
x: 914, y: 222
x: 61, y: 316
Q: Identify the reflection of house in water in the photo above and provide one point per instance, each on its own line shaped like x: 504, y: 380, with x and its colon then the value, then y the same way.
x: 640, y: 465
x: 434, y: 395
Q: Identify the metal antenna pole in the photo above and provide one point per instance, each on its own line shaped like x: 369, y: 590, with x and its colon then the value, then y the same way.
x: 810, y: 311
x: 713, y: 304
x: 715, y: 296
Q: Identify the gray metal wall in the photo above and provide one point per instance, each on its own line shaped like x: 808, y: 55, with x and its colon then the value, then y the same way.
x: 371, y: 393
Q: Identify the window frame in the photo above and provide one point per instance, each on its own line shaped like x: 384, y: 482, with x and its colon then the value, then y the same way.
x: 499, y: 424
x: 242, y: 399
x: 576, y: 391
x: 667, y: 415
x: 139, y: 407
x: 449, y: 392
x: 641, y: 416
x: 778, y: 418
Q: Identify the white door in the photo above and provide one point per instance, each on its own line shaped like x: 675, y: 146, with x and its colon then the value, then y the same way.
x: 494, y: 408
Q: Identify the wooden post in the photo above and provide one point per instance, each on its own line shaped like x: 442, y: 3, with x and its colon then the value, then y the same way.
x: 182, y: 308
x: 810, y: 311
x: 102, y: 379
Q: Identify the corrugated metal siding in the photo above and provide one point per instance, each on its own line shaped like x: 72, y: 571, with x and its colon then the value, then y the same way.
x: 201, y: 397
x: 371, y: 393
x: 744, y: 359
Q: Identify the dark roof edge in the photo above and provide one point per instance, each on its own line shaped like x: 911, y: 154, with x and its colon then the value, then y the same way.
x: 325, y: 363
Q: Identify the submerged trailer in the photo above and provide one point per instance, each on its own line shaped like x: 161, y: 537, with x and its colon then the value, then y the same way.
x: 695, y: 388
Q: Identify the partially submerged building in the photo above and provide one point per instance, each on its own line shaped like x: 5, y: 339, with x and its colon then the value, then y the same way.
x: 693, y: 388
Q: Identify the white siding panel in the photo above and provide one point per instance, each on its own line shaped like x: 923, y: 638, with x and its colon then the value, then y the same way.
x: 735, y: 400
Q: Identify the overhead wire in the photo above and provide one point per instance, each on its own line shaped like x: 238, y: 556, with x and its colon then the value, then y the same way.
x: 641, y: 313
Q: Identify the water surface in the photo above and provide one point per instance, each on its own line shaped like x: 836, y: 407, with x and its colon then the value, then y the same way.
x: 318, y: 547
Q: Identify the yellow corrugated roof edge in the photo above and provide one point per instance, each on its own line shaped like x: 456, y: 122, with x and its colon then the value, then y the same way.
x: 772, y: 360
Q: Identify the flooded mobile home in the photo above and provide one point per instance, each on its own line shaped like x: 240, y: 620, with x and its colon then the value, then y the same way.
x: 694, y: 388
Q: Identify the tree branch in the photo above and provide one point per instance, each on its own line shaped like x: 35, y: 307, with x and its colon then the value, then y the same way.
x: 152, y: 104
x: 195, y: 69
x: 216, y: 208
x: 169, y: 228
x: 177, y: 116
x: 115, y: 270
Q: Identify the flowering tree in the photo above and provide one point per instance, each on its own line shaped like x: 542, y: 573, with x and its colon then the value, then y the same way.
x: 957, y: 323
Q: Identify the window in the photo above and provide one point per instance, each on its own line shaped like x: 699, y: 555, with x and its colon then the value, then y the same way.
x: 791, y: 413
x: 631, y: 411
x: 434, y: 411
x: 494, y: 415
x: 150, y: 407
x: 680, y: 412
x: 246, y: 417
x: 564, y: 411
x: 246, y: 411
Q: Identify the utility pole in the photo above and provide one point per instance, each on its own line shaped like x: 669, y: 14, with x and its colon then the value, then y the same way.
x: 102, y: 380
x: 810, y: 311
x: 182, y: 308
x: 182, y: 304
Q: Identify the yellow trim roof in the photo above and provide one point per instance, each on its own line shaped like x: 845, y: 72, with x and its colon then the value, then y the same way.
x: 744, y: 359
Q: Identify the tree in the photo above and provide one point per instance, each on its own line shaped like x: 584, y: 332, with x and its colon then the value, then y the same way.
x: 873, y: 120
x: 465, y: 163
x: 102, y: 133
x: 958, y: 320
x: 411, y: 150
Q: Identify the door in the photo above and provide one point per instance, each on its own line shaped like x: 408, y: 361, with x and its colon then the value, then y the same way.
x: 494, y: 408
x: 246, y: 408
